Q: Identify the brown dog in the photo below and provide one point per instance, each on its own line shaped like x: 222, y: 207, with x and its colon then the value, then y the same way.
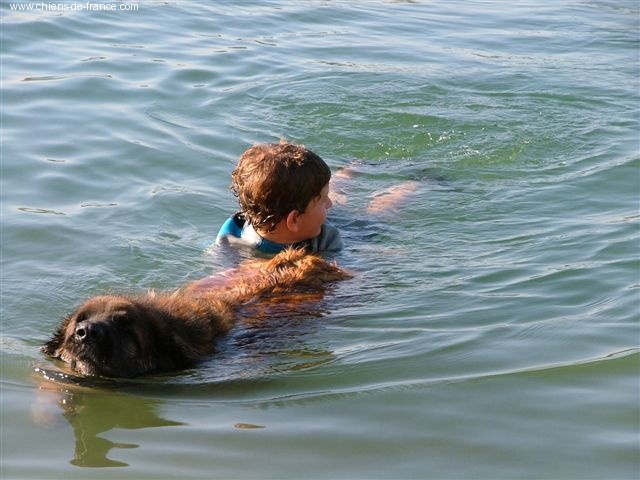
x: 126, y: 336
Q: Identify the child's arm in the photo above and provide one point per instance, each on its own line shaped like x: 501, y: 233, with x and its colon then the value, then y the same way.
x: 390, y: 198
x: 382, y: 201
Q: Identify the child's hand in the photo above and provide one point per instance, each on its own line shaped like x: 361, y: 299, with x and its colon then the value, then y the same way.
x: 336, y: 190
x: 338, y: 198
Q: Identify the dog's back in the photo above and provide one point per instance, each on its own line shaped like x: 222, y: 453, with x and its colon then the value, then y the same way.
x: 126, y: 336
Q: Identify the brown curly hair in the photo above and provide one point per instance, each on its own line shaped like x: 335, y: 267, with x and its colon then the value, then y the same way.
x: 271, y: 180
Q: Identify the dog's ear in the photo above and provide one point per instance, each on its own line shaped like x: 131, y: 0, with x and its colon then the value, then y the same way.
x: 52, y: 345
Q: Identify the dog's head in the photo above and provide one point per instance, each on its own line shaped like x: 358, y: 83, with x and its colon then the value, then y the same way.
x: 107, y: 335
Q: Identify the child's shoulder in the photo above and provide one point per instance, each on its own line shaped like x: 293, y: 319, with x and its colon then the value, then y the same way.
x: 236, y: 231
x: 232, y: 225
x: 329, y: 240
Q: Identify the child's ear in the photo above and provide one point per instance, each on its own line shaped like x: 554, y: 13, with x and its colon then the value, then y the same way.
x: 292, y: 220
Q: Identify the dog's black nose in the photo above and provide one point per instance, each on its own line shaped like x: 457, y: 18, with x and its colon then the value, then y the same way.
x: 86, y: 331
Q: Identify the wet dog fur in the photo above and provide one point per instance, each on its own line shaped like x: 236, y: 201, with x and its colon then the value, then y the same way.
x: 127, y: 336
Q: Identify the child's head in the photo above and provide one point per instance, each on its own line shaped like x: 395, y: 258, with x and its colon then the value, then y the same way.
x: 273, y: 180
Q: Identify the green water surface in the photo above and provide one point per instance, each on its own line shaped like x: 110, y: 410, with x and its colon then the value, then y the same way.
x: 491, y: 330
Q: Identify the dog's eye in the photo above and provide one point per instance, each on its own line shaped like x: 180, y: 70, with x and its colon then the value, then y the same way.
x: 120, y: 316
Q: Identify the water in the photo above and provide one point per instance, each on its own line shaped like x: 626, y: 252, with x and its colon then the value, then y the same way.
x: 492, y: 328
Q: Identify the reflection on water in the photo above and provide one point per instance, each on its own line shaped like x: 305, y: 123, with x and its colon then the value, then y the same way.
x: 93, y: 412
x: 255, y: 353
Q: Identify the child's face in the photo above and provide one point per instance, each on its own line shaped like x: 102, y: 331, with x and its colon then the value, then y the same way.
x: 310, y: 222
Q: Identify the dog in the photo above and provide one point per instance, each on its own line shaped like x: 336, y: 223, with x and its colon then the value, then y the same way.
x: 127, y: 336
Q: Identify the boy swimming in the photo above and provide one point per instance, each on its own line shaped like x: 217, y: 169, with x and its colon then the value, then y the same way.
x: 283, y: 191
